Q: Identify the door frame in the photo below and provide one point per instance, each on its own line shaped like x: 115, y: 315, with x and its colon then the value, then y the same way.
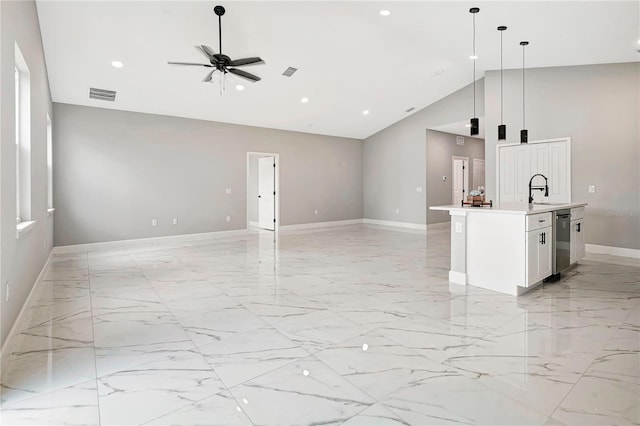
x: 276, y: 158
x: 465, y: 175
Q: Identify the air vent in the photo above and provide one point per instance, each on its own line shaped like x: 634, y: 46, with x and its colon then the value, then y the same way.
x: 102, y: 94
x: 410, y: 109
x: 289, y: 71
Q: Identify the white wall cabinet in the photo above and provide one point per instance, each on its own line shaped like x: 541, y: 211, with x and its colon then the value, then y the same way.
x: 518, y: 162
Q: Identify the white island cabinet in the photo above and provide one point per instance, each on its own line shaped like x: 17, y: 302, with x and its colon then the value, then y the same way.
x: 508, y: 247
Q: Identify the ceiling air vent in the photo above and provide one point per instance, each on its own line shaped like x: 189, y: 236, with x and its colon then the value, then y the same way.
x: 101, y: 94
x: 289, y: 71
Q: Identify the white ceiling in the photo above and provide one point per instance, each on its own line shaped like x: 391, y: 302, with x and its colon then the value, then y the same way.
x: 349, y: 57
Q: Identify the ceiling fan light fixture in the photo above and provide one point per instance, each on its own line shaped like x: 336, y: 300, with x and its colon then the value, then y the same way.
x: 221, y: 62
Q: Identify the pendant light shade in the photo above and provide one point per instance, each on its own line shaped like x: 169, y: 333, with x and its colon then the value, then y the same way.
x: 502, y: 128
x: 475, y: 122
x: 524, y: 134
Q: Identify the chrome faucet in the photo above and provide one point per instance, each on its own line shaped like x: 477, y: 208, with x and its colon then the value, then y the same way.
x: 544, y: 188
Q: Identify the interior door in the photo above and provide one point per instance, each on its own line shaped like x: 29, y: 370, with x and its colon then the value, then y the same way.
x: 266, y: 193
x: 460, y: 180
x: 478, y: 173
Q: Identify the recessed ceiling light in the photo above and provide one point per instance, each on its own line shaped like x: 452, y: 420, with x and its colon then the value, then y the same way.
x: 239, y: 87
x: 365, y: 112
x: 385, y: 12
x: 304, y: 100
x: 305, y: 372
x: 117, y: 64
x: 474, y: 57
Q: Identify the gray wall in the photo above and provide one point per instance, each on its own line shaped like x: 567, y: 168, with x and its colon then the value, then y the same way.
x: 122, y: 169
x: 440, y: 148
x: 394, y: 159
x: 598, y: 107
x: 22, y: 260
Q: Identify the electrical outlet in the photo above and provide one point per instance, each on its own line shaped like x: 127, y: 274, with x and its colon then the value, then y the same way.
x: 228, y: 190
x: 592, y: 189
x: 175, y: 220
x: 6, y: 293
x: 154, y: 222
x: 397, y: 211
x: 315, y: 212
x: 228, y: 218
x: 419, y: 189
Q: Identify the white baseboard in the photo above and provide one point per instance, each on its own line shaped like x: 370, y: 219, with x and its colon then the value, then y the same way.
x: 123, y: 244
x: 406, y: 225
x: 320, y: 224
x: 26, y: 303
x: 458, y: 277
x: 613, y: 251
x: 253, y: 225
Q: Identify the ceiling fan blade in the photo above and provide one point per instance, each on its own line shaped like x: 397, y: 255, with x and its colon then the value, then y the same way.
x: 208, y: 76
x: 244, y: 74
x: 190, y: 63
x: 245, y: 61
x: 206, y: 51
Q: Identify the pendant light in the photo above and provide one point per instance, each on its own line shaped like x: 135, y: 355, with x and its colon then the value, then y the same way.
x: 475, y: 123
x: 502, y: 128
x: 524, y: 134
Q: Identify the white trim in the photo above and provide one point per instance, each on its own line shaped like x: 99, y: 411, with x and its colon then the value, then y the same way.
x: 123, y: 244
x: 24, y: 227
x: 321, y: 224
x: 395, y: 224
x: 458, y: 277
x: 26, y: 303
x: 613, y: 251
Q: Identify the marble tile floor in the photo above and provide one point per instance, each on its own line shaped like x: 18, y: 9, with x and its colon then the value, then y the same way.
x: 354, y: 325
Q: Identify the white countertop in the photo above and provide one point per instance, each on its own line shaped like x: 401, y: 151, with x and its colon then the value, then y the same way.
x: 512, y: 208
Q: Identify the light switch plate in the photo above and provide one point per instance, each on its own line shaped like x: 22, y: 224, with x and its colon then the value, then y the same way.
x: 419, y: 189
x: 228, y: 190
x: 592, y: 189
x: 154, y: 222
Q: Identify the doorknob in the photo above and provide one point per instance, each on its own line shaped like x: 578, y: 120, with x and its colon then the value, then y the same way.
x: 259, y: 196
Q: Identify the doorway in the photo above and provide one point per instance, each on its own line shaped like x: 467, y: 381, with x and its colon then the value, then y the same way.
x: 478, y: 174
x: 263, y: 195
x: 460, y: 179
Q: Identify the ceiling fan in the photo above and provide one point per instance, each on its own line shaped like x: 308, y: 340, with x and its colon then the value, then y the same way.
x: 221, y: 62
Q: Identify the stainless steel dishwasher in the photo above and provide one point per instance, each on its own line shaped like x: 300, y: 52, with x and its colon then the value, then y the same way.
x: 561, y: 240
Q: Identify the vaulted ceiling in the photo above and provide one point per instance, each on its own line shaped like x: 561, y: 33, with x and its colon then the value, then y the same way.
x: 349, y: 57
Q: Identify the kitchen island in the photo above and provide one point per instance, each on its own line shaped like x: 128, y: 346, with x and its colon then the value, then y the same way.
x: 508, y: 247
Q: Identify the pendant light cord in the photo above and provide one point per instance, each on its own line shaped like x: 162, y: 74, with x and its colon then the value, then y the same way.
x: 523, y: 103
x: 501, y: 98
x: 474, y: 64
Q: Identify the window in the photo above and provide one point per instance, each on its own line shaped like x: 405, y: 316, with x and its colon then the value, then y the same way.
x: 23, y: 138
x: 17, y: 113
x: 49, y: 164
